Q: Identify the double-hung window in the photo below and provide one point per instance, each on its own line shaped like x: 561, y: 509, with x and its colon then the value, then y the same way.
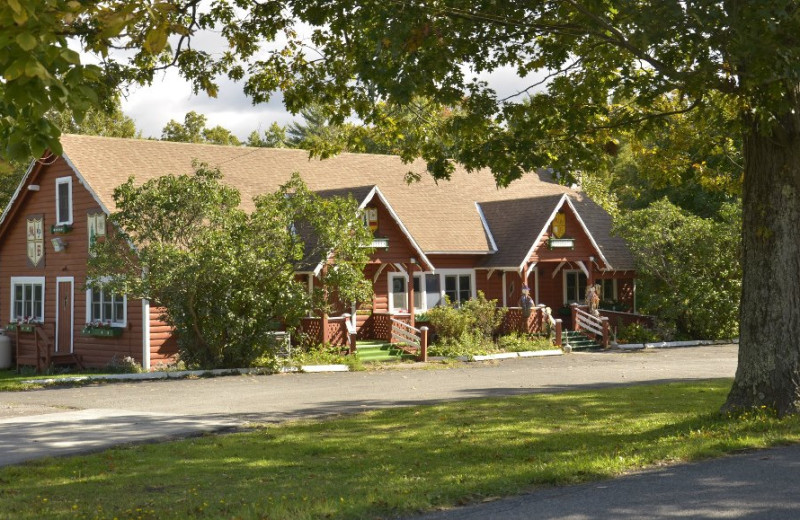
x: 27, y: 298
x: 398, y: 293
x: 458, y: 287
x: 574, y: 286
x: 608, y: 289
x: 64, y: 200
x: 106, y: 307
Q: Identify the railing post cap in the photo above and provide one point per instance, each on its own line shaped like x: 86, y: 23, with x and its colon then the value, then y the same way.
x: 559, y: 320
x: 423, y: 328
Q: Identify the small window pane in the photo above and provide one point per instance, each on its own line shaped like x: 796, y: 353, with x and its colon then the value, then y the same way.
x: 464, y: 289
x: 119, y: 309
x: 399, y: 295
x: 451, y: 288
x: 63, y: 202
x: 417, y: 292
x: 432, y: 283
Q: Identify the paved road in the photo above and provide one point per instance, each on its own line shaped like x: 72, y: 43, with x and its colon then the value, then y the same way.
x: 142, y: 411
x: 761, y: 485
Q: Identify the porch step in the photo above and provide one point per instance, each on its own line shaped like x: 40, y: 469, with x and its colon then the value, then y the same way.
x: 578, y: 341
x: 376, y: 351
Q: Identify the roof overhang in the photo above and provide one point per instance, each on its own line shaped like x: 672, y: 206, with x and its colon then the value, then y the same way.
x: 424, y: 262
x: 564, y: 200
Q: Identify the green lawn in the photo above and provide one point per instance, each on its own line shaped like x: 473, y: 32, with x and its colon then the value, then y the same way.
x: 10, y: 381
x: 392, y: 462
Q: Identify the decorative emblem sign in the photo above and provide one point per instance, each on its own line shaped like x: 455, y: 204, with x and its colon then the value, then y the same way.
x: 371, y: 216
x: 35, y: 240
x: 559, y: 225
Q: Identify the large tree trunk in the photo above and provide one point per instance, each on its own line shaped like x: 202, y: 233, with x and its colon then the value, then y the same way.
x: 769, y: 349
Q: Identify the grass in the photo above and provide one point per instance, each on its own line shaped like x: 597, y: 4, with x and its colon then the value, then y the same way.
x: 10, y: 381
x: 396, y: 461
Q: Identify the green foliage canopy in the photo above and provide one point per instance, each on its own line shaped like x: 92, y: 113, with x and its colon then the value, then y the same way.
x: 689, y: 267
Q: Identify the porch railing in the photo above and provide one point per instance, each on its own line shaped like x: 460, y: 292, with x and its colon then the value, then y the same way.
x: 594, y: 325
x: 405, y: 334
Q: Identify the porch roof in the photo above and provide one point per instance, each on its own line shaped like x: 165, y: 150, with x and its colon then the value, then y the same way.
x: 519, y: 223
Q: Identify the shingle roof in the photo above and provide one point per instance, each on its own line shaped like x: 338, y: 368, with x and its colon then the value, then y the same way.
x: 442, y: 217
x: 515, y: 224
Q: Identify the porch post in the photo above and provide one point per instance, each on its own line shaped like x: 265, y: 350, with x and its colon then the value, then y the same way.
x: 410, y: 271
x: 558, y: 333
x: 574, y: 308
x: 505, y: 291
x: 423, y: 345
x: 324, y: 319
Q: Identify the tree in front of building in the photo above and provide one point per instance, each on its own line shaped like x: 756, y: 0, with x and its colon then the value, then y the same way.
x: 226, y: 279
x: 689, y: 269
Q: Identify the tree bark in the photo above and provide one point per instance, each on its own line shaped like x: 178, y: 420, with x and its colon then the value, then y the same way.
x: 768, y: 373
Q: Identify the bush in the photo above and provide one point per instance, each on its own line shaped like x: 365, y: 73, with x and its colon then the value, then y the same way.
x: 516, y: 342
x: 125, y: 365
x: 636, y: 333
x: 689, y: 267
x: 450, y: 323
x: 468, y: 344
x: 487, y: 316
x: 479, y: 315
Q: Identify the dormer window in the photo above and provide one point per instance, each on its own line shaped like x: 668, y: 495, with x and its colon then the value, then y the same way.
x: 64, y: 200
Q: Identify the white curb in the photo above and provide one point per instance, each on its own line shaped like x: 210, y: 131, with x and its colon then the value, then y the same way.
x: 676, y: 344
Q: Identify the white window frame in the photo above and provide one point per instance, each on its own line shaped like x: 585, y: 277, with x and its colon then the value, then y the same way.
x: 68, y: 182
x: 26, y: 280
x: 391, y: 278
x: 614, y: 288
x: 457, y: 272
x: 581, y: 297
x: 423, y: 293
x: 90, y: 318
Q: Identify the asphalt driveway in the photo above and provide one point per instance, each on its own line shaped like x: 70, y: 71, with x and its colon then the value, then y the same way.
x: 62, y: 421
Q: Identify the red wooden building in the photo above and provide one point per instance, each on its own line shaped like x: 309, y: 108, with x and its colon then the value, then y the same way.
x: 431, y: 239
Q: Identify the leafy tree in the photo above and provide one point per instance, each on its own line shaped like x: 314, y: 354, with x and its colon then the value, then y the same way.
x: 224, y: 278
x: 689, y: 267
x: 108, y: 122
x: 693, y: 159
x: 382, y: 52
x: 274, y: 137
x: 193, y: 130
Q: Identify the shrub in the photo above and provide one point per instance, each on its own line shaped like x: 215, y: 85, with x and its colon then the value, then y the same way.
x: 468, y: 344
x: 477, y: 315
x: 516, y: 342
x: 486, y: 314
x: 636, y: 333
x: 125, y: 365
x: 450, y: 323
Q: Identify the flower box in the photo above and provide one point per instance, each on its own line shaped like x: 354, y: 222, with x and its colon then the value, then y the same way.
x: 61, y: 229
x: 102, y: 332
x: 22, y: 327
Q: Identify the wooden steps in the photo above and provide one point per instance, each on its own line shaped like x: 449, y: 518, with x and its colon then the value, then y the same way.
x: 578, y: 341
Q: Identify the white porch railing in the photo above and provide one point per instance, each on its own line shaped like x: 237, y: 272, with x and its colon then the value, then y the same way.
x: 405, y: 334
x: 595, y: 325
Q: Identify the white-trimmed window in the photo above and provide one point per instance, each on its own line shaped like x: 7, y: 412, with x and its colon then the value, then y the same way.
x: 458, y: 287
x: 106, y: 307
x: 64, y: 200
x: 574, y: 286
x: 608, y: 289
x: 398, y: 292
x: 27, y: 298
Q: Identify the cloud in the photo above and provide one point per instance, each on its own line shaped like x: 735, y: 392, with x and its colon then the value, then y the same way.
x: 171, y: 97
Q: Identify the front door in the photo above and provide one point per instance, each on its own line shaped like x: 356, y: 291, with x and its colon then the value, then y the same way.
x: 64, y: 310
